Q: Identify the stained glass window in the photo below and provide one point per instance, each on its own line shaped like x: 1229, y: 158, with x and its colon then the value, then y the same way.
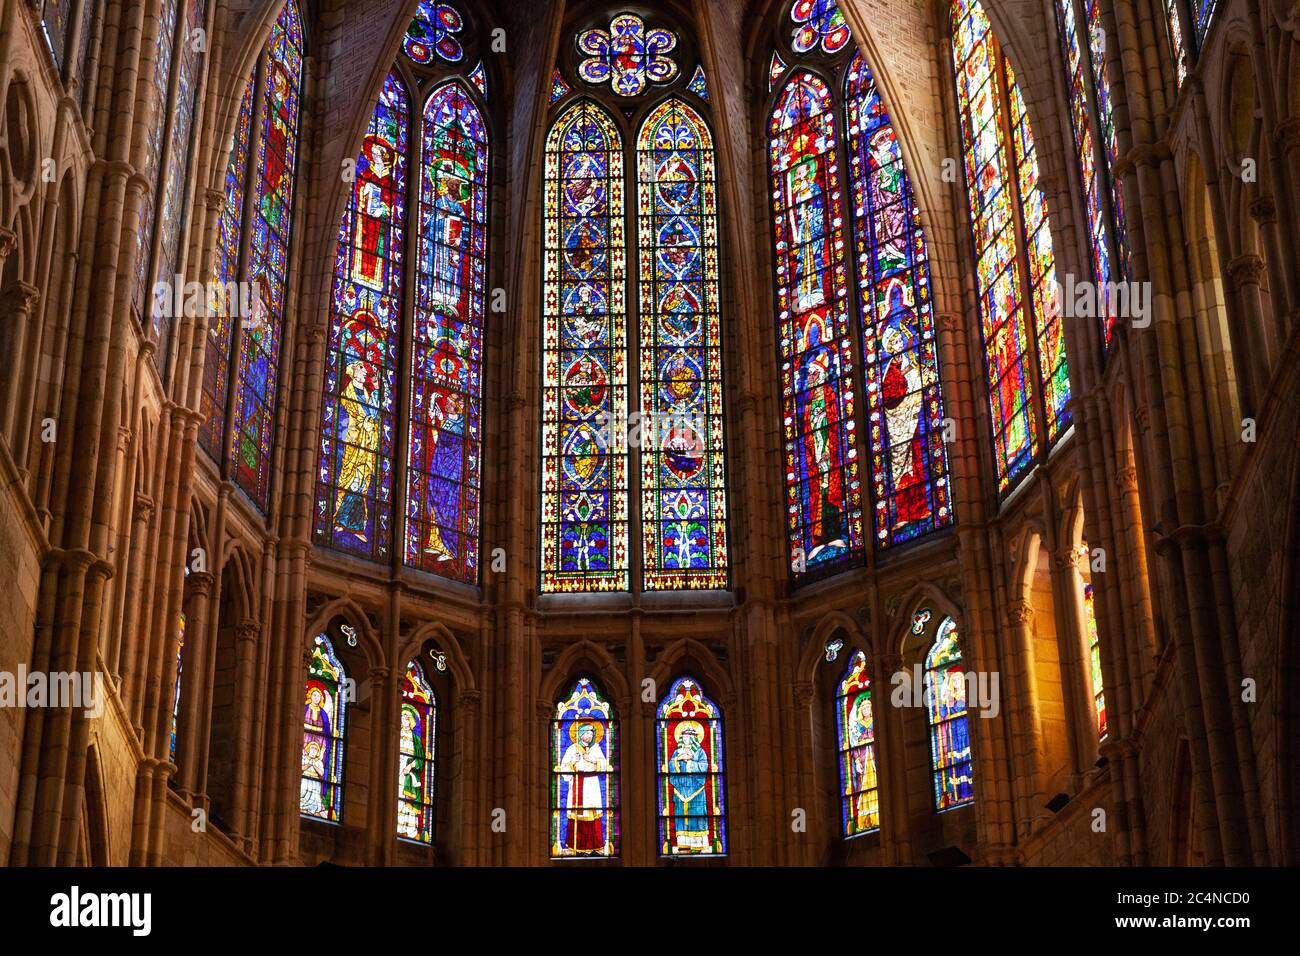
x: 909, y: 465
x: 257, y: 368
x: 1177, y: 45
x: 56, y: 26
x: 627, y: 55
x: 1015, y: 267
x: 818, y: 23
x: 1094, y: 660
x: 945, y: 698
x: 559, y: 88
x: 176, y: 691
x: 478, y: 76
x: 683, y: 467
x: 1092, y: 119
x: 859, y: 786
x: 176, y: 179
x: 225, y: 270
x: 324, y: 717
x: 692, y: 805
x: 434, y: 32
x: 355, y: 480
x: 584, y: 400
x: 698, y: 85
x: 823, y: 491
x: 155, y: 140
x: 775, y: 70
x: 443, y: 464
x: 584, y: 775
x: 415, y: 756
x: 1204, y: 13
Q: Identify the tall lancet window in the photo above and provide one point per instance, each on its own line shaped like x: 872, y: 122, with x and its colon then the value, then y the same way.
x: 584, y: 775
x: 254, y: 239
x: 633, y: 490
x: 429, y: 117
x: 852, y: 279
x: 1028, y: 378
x: 1093, y: 122
x: 323, y: 734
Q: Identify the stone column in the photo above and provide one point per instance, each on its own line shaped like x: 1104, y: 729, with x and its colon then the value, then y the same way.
x: 17, y: 302
x: 190, y: 722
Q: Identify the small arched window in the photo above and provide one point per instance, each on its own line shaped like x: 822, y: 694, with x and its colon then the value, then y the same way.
x: 584, y: 775
x: 416, y: 750
x: 856, y: 729
x: 692, y: 802
x: 945, y: 698
x: 323, y: 734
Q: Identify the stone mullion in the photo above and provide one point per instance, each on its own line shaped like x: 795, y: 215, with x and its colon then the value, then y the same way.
x: 891, y: 760
x: 381, y: 812
x: 247, y: 635
x: 1072, y: 645
x: 198, y: 611
x: 205, y: 675
x: 1263, y: 211
x: 18, y: 302
x: 279, y: 784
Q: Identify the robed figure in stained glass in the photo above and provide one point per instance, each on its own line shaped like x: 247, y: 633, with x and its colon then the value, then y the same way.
x: 377, y: 195
x: 689, y: 747
x: 410, y: 774
x: 448, y: 379
x: 903, y: 399
x: 862, y: 737
x: 317, y: 743
x: 808, y: 234
x: 584, y: 784
x: 275, y: 149
x: 819, y: 416
x: 450, y: 220
x: 358, y: 404
x: 585, y: 765
x: 688, y: 778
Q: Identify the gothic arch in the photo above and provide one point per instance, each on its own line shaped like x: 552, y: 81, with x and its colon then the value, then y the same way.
x: 689, y: 655
x: 94, y: 810
x: 347, y: 609
x: 461, y: 673
x: 918, y: 596
x: 590, y: 657
x: 814, y: 651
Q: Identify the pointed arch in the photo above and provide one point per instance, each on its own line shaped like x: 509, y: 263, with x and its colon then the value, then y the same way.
x: 1028, y: 376
x: 584, y: 506
x: 856, y: 741
x: 683, y: 483
x: 584, y: 774
x: 444, y: 448
x: 690, y: 769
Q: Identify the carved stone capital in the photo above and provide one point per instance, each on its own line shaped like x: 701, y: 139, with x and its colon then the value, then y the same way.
x: 470, y: 699
x: 1126, y: 478
x: 803, y: 693
x: 1019, y: 613
x: 214, y: 199
x: 248, y: 630
x: 1263, y: 209
x: 1067, y: 559
x: 198, y: 584
x: 19, y: 297
x: 1288, y: 133
x: 8, y: 242
x: 1246, y: 269
x: 143, y: 508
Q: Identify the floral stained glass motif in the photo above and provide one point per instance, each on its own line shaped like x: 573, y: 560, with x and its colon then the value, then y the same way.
x: 584, y: 775
x: 683, y: 467
x: 856, y: 729
x: 417, y: 733
x: 823, y: 490
x: 909, y: 466
x: 478, y: 76
x: 698, y: 85
x: 433, y: 33
x: 818, y: 23
x: 559, y: 88
x: 1001, y: 178
x: 324, y: 716
x: 945, y: 697
x: 692, y: 806
x: 354, y: 487
x: 257, y: 372
x: 627, y: 55
x: 585, y: 387
x: 443, y: 465
x: 216, y: 366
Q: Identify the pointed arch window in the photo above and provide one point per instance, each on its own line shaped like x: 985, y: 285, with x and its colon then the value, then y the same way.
x: 1093, y: 123
x: 596, y: 528
x: 1094, y: 661
x: 254, y: 245
x: 945, y: 698
x: 1177, y: 43
x: 584, y: 775
x: 441, y: 223
x: 416, y: 750
x: 323, y: 735
x: 856, y: 730
x: 818, y: 132
x: 1028, y: 376
x: 692, y: 795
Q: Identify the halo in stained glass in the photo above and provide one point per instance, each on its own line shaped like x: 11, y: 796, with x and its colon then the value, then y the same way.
x: 945, y: 699
x: 818, y: 23
x: 692, y: 796
x: 856, y: 734
x: 584, y: 775
x: 627, y: 56
x: 324, y: 734
x: 433, y: 33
